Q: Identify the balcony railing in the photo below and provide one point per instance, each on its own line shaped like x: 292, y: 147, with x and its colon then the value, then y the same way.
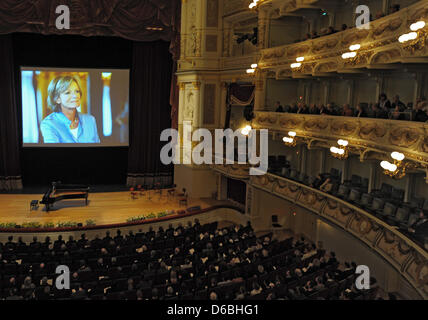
x: 365, y: 135
x: 379, y: 46
x: 401, y: 252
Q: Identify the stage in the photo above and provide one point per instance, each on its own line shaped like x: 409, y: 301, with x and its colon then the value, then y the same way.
x: 103, y: 207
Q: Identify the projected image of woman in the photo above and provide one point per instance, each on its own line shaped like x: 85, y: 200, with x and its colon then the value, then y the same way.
x: 65, y: 124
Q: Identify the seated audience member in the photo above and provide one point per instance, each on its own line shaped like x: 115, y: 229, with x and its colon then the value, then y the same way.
x: 213, y: 296
x: 361, y: 113
x: 347, y: 111
x: 278, y: 107
x: 330, y: 109
x: 398, y: 103
x: 420, y: 227
x: 323, y: 110
x: 378, y: 112
x: 331, y: 30
x: 397, y: 114
x: 308, y: 36
x: 314, y: 35
x: 302, y: 109
x: 384, y: 103
x: 256, y: 289
x: 294, y: 108
x: 394, y: 8
x: 344, y: 27
x: 287, y: 108
x: 317, y: 182
x: 314, y: 109
x: 379, y: 15
x: 327, y: 186
x: 421, y: 114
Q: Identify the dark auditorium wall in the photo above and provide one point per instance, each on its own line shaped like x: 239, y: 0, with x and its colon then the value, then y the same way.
x: 99, y: 165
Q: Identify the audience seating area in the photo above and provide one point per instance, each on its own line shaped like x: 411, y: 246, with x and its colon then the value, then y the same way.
x: 192, y: 262
x: 383, y: 109
x: 386, y: 203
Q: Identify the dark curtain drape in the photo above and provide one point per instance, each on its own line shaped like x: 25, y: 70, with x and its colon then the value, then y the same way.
x: 150, y: 113
x: 9, y: 136
x: 241, y: 95
x: 127, y: 19
x: 142, y: 20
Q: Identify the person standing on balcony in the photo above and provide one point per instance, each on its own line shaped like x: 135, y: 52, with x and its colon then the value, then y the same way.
x: 384, y: 103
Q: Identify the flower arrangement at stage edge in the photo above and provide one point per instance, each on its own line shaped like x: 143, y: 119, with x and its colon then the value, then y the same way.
x: 90, y: 222
x: 7, y: 225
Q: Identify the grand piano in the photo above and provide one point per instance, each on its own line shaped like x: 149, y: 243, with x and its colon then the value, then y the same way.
x: 59, y: 191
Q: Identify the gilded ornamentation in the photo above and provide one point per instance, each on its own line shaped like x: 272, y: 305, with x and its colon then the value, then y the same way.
x: 387, y: 26
x: 355, y: 37
x: 326, y: 67
x: 291, y: 123
x: 288, y: 6
x: 372, y: 131
x: 385, y: 56
x: 325, y: 45
x: 404, y: 136
x: 284, y: 73
x: 360, y: 58
x: 424, y: 145
x: 418, y: 44
x: 273, y: 53
x: 343, y: 128
x: 307, y: 68
x: 315, y: 124
x: 294, y: 52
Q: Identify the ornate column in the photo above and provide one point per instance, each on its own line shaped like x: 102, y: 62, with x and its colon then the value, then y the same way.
x: 183, y: 35
x: 326, y: 91
x: 263, y: 28
x: 181, y: 105
x: 259, y: 98
x: 303, y: 158
x: 385, y: 6
x: 372, y: 177
x: 322, y: 160
x: 197, y: 110
x: 350, y: 93
x: 380, y: 83
x: 345, y: 167
x: 223, y: 104
x: 227, y: 39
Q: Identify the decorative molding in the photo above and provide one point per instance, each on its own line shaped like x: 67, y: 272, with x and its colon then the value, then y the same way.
x: 365, y: 134
x: 212, y: 14
x: 379, y: 45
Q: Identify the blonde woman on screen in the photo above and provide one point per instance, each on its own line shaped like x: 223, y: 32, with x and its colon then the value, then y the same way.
x: 65, y: 124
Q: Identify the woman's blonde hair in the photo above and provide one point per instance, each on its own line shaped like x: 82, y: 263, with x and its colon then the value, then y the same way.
x: 58, y: 86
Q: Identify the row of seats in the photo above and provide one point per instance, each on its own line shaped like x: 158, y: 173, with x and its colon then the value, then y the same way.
x: 386, y: 203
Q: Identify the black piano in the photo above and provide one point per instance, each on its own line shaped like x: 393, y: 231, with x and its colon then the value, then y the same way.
x: 58, y: 192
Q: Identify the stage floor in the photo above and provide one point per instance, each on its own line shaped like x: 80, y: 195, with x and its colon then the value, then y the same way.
x: 103, y: 208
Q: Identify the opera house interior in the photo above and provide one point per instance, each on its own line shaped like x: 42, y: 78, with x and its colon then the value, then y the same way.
x: 125, y: 172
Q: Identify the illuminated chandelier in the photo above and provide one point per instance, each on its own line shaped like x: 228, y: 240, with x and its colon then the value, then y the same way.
x: 290, y: 141
x: 342, y: 152
x: 396, y: 170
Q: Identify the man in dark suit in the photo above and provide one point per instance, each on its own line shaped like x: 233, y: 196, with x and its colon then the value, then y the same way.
x: 58, y: 243
x: 10, y: 245
x: 35, y: 245
x: 278, y: 107
x: 420, y: 228
x: 82, y: 242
